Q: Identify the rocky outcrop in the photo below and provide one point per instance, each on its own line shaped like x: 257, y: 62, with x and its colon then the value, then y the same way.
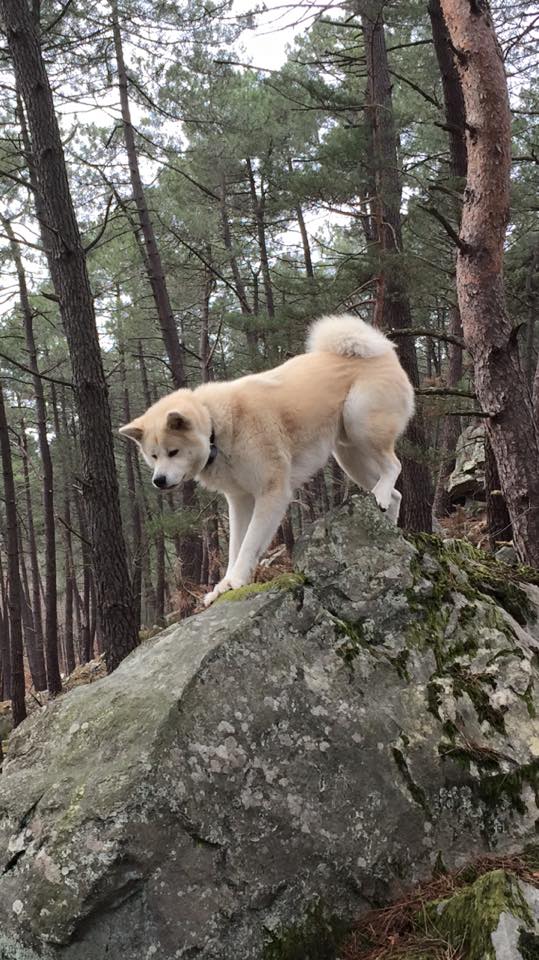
x: 468, y: 477
x: 249, y: 779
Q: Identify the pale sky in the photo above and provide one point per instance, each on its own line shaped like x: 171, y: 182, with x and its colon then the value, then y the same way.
x: 275, y: 28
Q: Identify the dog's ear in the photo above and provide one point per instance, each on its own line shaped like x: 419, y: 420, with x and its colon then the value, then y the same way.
x: 132, y: 430
x: 177, y: 422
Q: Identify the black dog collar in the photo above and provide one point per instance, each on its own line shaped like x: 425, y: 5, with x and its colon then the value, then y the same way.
x: 213, y: 450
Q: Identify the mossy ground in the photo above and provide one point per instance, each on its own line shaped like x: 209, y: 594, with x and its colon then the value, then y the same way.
x: 451, y: 916
x: 285, y: 581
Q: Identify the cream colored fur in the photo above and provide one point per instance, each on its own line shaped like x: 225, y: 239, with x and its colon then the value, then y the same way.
x: 349, y: 396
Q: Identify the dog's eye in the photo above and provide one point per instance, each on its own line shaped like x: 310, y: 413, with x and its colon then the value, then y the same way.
x: 172, y: 453
x: 154, y: 456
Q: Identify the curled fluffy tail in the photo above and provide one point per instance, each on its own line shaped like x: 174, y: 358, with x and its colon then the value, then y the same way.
x: 347, y: 336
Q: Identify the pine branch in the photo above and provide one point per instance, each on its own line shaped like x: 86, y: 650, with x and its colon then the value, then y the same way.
x: 464, y: 247
x: 93, y: 243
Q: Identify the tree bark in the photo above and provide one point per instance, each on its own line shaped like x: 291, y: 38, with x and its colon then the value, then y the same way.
x: 500, y: 381
x: 67, y: 264
x: 16, y: 685
x: 456, y: 123
x: 392, y: 306
x: 54, y: 681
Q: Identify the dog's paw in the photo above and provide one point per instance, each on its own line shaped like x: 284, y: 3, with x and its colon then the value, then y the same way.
x: 227, y: 583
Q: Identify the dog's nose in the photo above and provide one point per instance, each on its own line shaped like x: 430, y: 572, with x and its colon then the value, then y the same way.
x: 160, y: 481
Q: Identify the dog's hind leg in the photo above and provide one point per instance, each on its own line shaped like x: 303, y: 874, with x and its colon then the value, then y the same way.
x: 268, y: 512
x: 394, y: 507
x: 390, y: 467
x: 356, y: 465
x: 373, y: 471
x: 371, y: 432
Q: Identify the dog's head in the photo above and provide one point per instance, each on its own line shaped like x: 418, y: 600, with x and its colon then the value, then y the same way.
x: 174, y: 437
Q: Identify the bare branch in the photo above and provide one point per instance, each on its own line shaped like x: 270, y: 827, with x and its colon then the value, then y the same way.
x: 34, y: 373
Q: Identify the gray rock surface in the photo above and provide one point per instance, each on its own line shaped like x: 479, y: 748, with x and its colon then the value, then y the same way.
x: 468, y: 477
x: 281, y: 760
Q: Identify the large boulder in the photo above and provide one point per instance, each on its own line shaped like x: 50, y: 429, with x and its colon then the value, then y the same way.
x: 250, y: 778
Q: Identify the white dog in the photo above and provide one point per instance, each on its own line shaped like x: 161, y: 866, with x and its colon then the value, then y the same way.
x: 257, y: 438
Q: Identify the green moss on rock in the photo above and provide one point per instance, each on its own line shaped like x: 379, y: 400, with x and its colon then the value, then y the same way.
x: 484, y: 576
x: 352, y: 637
x: 285, y: 581
x: 468, y: 918
x: 505, y: 788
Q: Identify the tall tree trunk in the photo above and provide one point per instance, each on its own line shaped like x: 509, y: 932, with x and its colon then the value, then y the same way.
x: 34, y: 654
x: 64, y: 442
x: 67, y: 264
x: 392, y: 309
x: 160, y: 572
x: 5, y: 642
x: 250, y: 332
x: 500, y: 380
x: 305, y: 243
x: 136, y: 520
x: 160, y: 586
x: 54, y: 681
x: 16, y: 685
x: 156, y: 273
x: 259, y: 206
x: 204, y: 351
x: 532, y: 296
x: 304, y: 235
x: 40, y: 676
x: 191, y: 544
x: 85, y: 630
x: 456, y: 125
x: 29, y: 633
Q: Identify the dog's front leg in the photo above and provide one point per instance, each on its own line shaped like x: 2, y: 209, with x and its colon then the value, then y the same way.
x: 240, y: 511
x: 267, y: 514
